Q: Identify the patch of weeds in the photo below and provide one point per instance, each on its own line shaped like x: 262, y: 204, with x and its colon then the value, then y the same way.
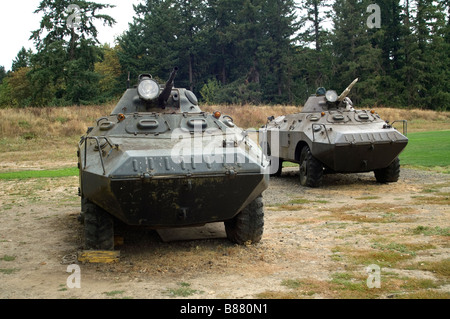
x: 7, y: 207
x: 291, y: 283
x: 440, y: 268
x: 429, y: 190
x: 417, y: 284
x: 369, y: 257
x: 24, y: 124
x: 61, y: 119
x: 62, y: 287
x: 347, y: 281
x: 408, y: 248
x: 8, y: 271
x: 184, y: 290
x: 382, y: 258
x: 295, y: 204
x: 8, y: 258
x: 299, y: 201
x: 430, y: 231
x: 270, y: 294
x: 439, y: 199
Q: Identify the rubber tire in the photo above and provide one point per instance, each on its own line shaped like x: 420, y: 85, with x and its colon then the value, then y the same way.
x: 311, y: 169
x: 98, y: 228
x: 247, y: 227
x: 388, y: 174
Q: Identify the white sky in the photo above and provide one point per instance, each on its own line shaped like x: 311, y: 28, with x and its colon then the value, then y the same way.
x: 17, y: 20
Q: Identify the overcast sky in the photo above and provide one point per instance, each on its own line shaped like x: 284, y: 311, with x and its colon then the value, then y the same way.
x: 17, y: 20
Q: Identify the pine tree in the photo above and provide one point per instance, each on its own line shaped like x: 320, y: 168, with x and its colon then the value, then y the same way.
x: 63, y: 67
x: 314, y: 45
x: 2, y: 73
x: 149, y: 45
x: 355, y: 54
x: 22, y: 60
x: 278, y: 29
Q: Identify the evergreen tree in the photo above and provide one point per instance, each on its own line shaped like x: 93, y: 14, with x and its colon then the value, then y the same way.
x: 149, y: 45
x: 190, y: 38
x: 434, y: 52
x: 22, y: 60
x: 355, y: 54
x: 314, y: 44
x: 66, y: 42
x: 2, y: 73
x: 425, y: 66
x: 276, y: 51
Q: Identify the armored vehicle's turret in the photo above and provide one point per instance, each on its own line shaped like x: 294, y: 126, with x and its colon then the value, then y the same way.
x: 157, y: 160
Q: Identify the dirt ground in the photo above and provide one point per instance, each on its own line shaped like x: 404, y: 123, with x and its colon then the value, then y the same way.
x: 317, y: 243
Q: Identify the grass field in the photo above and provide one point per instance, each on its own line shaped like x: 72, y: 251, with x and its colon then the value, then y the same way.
x: 430, y: 150
x: 65, y: 172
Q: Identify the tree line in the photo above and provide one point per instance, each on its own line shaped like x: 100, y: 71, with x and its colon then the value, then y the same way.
x: 240, y: 52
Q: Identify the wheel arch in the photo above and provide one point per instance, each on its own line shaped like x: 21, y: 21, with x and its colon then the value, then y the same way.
x: 298, y: 149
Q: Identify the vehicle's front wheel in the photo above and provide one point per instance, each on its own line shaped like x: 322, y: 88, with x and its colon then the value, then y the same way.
x: 248, y: 225
x: 388, y: 174
x: 98, y: 228
x: 311, y: 169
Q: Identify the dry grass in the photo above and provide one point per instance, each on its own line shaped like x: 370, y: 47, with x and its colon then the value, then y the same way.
x: 49, y: 122
x: 255, y: 116
x: 56, y: 122
x: 46, y: 138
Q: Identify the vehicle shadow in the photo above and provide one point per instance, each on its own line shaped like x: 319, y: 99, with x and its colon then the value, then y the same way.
x: 291, y: 175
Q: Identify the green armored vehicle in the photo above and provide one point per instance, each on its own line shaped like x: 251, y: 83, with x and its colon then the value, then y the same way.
x: 158, y: 161
x: 330, y: 135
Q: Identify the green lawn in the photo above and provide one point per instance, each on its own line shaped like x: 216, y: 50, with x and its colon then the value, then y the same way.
x: 38, y: 174
x: 428, y: 149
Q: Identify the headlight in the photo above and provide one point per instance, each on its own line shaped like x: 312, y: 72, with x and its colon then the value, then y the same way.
x: 331, y: 96
x: 148, y: 89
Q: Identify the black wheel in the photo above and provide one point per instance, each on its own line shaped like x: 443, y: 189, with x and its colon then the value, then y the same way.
x: 248, y: 225
x: 389, y: 174
x: 311, y: 170
x: 98, y: 228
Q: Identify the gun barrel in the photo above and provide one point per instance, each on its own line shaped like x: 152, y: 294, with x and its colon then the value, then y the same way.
x: 172, y: 76
x: 168, y: 88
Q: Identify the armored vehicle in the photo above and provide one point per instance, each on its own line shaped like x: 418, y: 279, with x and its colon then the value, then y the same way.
x: 330, y: 135
x: 158, y: 161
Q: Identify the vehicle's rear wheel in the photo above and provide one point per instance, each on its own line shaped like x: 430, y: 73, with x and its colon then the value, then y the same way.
x: 98, y: 228
x: 311, y: 170
x: 248, y: 225
x: 388, y: 174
